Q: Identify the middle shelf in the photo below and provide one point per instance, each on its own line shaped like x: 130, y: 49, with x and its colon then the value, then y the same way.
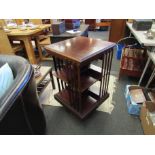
x: 87, y: 78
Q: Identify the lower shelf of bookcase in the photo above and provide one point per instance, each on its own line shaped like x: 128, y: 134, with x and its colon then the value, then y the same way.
x: 90, y: 101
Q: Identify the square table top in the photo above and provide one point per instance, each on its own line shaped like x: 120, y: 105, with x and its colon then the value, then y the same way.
x: 28, y: 32
x: 79, y: 49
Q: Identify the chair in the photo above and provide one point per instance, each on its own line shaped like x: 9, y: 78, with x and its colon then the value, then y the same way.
x: 19, y: 21
x: 20, y: 110
x: 43, y: 39
x: 5, y: 46
x: 2, y: 22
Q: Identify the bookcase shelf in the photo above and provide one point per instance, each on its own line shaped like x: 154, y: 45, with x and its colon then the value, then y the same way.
x: 89, y: 102
x: 88, y: 77
x: 75, y: 73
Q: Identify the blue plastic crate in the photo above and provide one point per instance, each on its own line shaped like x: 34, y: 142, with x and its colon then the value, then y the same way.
x: 133, y: 108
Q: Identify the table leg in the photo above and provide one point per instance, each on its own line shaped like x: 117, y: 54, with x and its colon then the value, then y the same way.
x: 146, y: 66
x: 151, y: 78
x: 29, y: 50
x: 39, y: 47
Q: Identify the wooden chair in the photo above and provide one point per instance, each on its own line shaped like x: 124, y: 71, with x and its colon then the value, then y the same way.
x: 2, y: 22
x: 36, y: 21
x: 19, y: 21
x: 40, y: 44
x: 42, y: 39
x: 5, y: 46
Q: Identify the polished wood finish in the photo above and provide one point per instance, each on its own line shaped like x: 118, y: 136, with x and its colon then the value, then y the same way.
x: 26, y: 37
x: 75, y: 76
x: 117, y: 30
x: 79, y: 49
x: 88, y: 78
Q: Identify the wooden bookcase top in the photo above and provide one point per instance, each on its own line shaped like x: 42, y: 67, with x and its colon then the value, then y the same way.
x: 79, y: 49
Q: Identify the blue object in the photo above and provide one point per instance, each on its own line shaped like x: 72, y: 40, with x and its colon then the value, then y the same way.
x: 6, y: 78
x: 133, y: 108
x: 119, y: 51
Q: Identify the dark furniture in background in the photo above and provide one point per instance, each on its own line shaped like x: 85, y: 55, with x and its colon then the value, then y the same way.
x: 117, y: 30
x: 76, y: 76
x: 20, y: 110
x: 91, y: 23
x: 104, y: 23
x: 84, y: 32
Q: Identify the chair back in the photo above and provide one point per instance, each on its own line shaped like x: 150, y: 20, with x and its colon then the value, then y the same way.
x: 5, y: 45
x: 19, y: 21
x: 2, y: 22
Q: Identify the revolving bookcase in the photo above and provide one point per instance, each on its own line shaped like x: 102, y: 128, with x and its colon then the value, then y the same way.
x: 76, y: 75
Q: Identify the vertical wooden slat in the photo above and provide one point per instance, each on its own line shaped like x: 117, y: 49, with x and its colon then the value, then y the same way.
x: 110, y: 63
x: 101, y: 83
x: 68, y: 75
x: 60, y: 68
x: 79, y: 89
x: 104, y: 76
x: 107, y: 67
x: 55, y: 67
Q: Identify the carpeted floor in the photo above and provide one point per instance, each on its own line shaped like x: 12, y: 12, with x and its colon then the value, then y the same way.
x: 60, y: 121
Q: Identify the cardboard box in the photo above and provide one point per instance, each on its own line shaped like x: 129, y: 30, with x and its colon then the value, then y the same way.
x: 146, y: 121
x: 135, y: 97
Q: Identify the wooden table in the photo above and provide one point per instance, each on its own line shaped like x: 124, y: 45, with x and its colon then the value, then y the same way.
x: 26, y: 37
x: 75, y: 76
x: 150, y: 46
x: 84, y: 32
x: 141, y: 37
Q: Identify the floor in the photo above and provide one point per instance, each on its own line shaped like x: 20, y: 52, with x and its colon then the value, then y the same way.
x: 119, y: 122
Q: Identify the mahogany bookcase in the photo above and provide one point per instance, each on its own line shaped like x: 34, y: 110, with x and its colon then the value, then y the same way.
x: 75, y: 73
